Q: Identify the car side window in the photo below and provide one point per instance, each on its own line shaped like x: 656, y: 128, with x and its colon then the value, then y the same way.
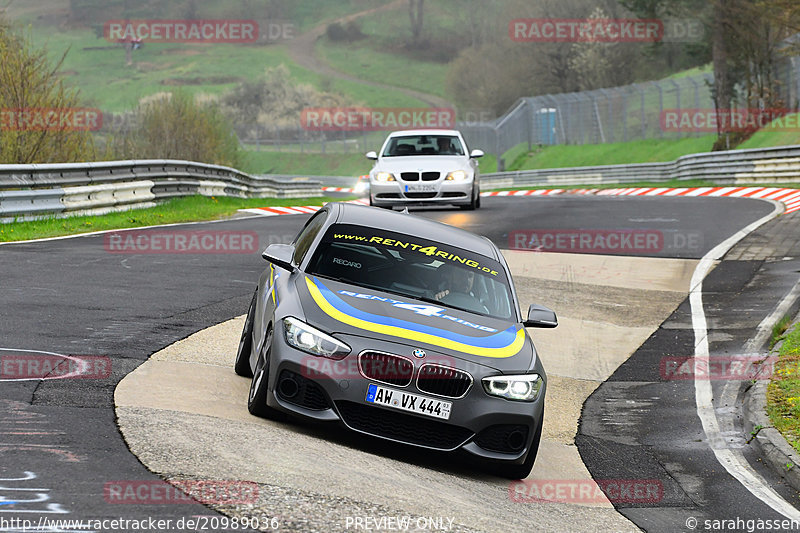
x: 306, y: 236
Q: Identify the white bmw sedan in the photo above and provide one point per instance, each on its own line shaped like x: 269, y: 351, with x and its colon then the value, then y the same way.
x: 425, y: 167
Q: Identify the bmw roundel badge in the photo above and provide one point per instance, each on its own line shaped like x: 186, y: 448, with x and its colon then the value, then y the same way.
x: 419, y: 354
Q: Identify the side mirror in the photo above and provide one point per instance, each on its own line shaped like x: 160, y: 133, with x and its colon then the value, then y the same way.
x: 372, y: 155
x: 280, y: 255
x: 475, y: 154
x: 540, y: 316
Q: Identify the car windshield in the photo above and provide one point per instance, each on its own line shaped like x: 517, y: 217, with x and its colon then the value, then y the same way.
x: 413, y: 267
x: 423, y: 145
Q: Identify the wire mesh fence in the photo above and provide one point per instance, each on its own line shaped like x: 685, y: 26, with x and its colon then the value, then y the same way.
x: 619, y: 114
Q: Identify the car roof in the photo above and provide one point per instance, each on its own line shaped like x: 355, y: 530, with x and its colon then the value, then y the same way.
x: 455, y: 133
x: 408, y: 224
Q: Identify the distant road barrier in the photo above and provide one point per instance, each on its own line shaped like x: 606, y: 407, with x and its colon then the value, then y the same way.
x: 28, y: 191
x: 756, y: 166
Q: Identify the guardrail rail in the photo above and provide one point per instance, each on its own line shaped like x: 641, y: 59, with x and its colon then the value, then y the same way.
x: 30, y: 191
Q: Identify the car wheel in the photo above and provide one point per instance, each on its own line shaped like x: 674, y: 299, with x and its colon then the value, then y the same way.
x: 522, y: 471
x: 474, y: 202
x: 257, y: 398
x: 242, y: 364
x: 478, y: 201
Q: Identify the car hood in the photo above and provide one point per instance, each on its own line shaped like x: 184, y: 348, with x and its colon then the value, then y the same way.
x: 425, y: 163
x: 341, y: 308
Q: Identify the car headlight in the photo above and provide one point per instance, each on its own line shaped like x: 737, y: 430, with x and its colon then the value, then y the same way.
x: 457, y: 175
x: 311, y: 340
x: 523, y: 388
x: 384, y: 176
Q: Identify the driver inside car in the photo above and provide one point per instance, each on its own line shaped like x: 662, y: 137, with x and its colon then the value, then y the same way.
x: 455, y: 280
x: 445, y: 146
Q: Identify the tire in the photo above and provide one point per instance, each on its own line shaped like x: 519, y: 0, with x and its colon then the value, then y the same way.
x: 257, y: 397
x: 474, y: 203
x: 524, y: 470
x: 242, y: 364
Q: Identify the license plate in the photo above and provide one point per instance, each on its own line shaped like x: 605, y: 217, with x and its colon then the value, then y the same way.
x: 406, y: 401
x: 421, y: 187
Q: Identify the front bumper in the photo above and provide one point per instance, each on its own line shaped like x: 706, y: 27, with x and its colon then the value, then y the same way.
x: 326, y: 390
x: 403, y: 193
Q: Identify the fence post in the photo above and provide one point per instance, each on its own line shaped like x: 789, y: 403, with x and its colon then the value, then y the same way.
x: 660, y: 108
x: 696, y: 99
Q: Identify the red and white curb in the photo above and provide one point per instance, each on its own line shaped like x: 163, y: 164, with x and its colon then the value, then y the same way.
x: 789, y: 197
x: 297, y: 210
x: 338, y: 189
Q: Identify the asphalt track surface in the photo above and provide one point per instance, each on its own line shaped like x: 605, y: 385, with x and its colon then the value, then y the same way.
x: 74, y: 297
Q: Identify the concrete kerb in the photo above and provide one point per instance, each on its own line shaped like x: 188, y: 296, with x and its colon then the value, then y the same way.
x: 775, y: 449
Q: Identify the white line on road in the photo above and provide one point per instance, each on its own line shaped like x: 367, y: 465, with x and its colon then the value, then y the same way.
x: 733, y: 460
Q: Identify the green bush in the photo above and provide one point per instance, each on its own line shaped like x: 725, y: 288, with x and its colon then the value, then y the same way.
x: 177, y: 127
x: 37, y: 111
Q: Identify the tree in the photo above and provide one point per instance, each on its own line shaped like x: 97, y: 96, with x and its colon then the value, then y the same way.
x: 415, y: 14
x: 36, y: 106
x: 175, y: 126
x: 276, y: 100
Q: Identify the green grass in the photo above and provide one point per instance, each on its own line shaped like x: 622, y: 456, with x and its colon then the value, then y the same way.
x: 783, y: 392
x: 271, y: 162
x: 384, y: 54
x: 646, y: 151
x: 98, y: 69
x: 360, y: 59
x: 302, y: 13
x: 767, y: 137
x: 188, y: 209
x: 268, y: 162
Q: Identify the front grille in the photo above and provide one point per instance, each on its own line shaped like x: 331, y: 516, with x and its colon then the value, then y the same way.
x: 305, y: 392
x: 409, y: 176
x: 503, y: 438
x: 454, y: 194
x: 387, y: 195
x: 430, y: 176
x: 420, y: 194
x: 402, y: 427
x: 443, y: 381
x: 386, y: 368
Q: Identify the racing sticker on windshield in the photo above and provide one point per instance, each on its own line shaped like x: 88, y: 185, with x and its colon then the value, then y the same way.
x: 419, y: 309
x: 402, y: 242
x: 497, y: 344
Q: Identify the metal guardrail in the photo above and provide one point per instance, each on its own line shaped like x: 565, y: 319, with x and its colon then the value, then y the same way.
x: 28, y: 191
x: 755, y: 166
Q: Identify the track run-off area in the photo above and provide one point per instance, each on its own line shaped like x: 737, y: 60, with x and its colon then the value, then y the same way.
x: 705, y: 272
